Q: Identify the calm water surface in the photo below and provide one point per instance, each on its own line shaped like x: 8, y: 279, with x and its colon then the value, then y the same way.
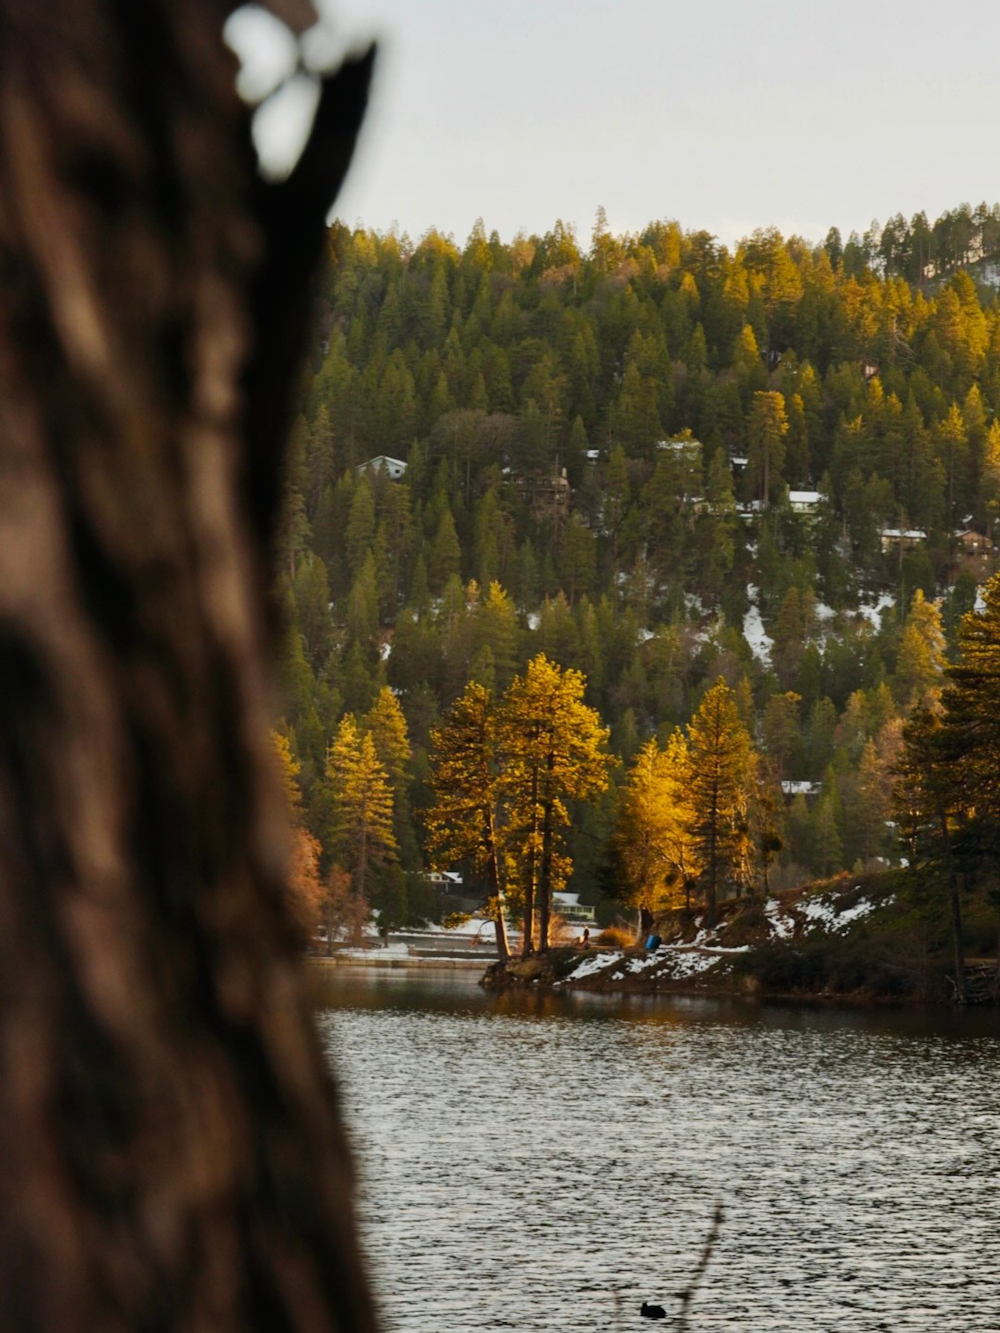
x: 549, y: 1162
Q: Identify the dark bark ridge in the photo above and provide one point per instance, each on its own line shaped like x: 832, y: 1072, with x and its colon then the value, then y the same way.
x: 170, y: 1151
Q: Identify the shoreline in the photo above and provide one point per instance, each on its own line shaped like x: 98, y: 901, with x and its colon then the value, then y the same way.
x: 381, y: 959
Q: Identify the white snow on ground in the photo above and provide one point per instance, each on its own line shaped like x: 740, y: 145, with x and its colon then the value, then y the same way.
x: 754, y: 632
x: 690, y: 964
x: 534, y: 620
x: 782, y: 927
x: 872, y: 612
x: 821, y: 912
x: 595, y: 963
x: 476, y: 925
x: 676, y: 962
x: 400, y: 950
x: 824, y: 612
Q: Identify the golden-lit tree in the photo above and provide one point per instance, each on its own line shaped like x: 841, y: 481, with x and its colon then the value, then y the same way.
x: 304, y: 885
x: 921, y: 662
x: 553, y: 745
x: 767, y: 426
x: 653, y: 846
x: 387, y: 727
x: 463, y: 822
x: 361, y: 835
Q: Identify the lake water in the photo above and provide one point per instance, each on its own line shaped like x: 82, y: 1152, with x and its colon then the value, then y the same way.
x: 549, y: 1162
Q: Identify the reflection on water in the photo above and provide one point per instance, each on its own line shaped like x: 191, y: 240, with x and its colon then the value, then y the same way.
x: 539, y: 1162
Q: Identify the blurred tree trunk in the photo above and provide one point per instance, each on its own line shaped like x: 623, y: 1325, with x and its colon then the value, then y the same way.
x: 170, y: 1151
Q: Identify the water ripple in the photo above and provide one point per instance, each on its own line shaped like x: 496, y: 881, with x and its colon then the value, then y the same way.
x: 527, y: 1165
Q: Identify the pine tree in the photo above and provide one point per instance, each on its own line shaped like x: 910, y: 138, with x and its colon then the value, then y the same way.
x: 463, y: 822
x: 972, y: 724
x: 386, y: 725
x: 767, y: 426
x: 720, y: 765
x: 553, y: 746
x: 360, y: 526
x: 385, y: 722
x: 921, y: 663
x: 652, y: 844
x: 496, y: 630
x: 782, y: 732
x: 577, y: 559
x: 444, y: 554
x: 929, y: 805
x: 361, y: 836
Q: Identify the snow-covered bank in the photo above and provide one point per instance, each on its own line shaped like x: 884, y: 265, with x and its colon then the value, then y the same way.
x: 817, y: 942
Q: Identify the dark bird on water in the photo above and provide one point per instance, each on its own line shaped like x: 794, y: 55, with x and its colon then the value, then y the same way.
x: 653, y: 1311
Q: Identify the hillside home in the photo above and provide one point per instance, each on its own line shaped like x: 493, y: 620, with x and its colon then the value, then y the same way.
x: 901, y: 539
x: 569, y: 907
x: 805, y: 502
x: 973, y: 543
x: 791, y: 789
x: 548, y: 497
x: 395, y: 467
x: 445, y: 879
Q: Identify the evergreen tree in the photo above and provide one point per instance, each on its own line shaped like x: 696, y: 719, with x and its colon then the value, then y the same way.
x: 921, y: 662
x: 553, y: 743
x: 652, y: 844
x: 444, y: 556
x: 929, y: 804
x: 463, y: 821
x: 767, y: 426
x: 721, y: 761
x: 361, y: 838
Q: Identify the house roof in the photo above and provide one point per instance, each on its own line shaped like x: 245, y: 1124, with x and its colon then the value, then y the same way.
x: 382, y: 460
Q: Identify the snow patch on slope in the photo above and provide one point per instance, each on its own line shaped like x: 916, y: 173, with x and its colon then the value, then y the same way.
x: 753, y: 630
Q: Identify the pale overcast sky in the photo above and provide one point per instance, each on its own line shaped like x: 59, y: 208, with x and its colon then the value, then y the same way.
x: 727, y: 115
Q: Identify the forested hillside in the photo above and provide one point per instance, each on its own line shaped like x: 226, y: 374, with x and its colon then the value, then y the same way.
x: 661, y: 464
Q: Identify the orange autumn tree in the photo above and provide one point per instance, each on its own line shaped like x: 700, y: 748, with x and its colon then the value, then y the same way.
x: 305, y: 889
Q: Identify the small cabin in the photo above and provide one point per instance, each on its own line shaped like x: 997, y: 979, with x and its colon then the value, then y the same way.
x: 445, y: 879
x: 973, y: 543
x: 791, y: 789
x: 805, y: 502
x: 395, y: 467
x: 901, y: 539
x: 569, y: 907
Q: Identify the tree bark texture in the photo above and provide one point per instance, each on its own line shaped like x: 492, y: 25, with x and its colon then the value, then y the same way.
x: 171, y: 1156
